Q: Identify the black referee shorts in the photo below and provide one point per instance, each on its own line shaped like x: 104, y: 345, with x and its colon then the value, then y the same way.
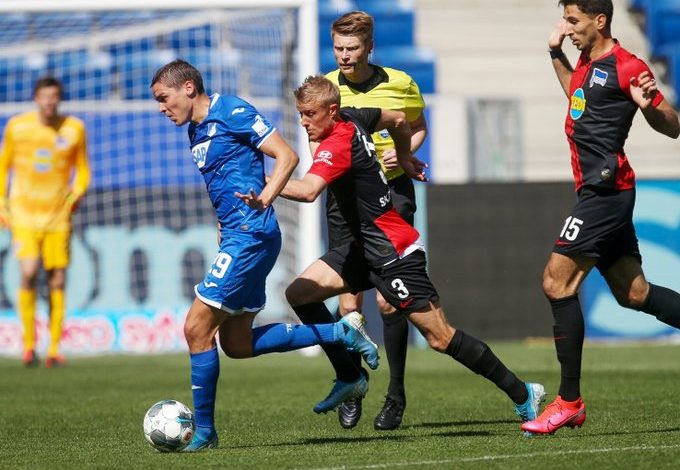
x: 600, y: 226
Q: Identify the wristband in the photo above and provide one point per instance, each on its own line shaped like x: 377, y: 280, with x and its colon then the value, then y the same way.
x: 556, y: 53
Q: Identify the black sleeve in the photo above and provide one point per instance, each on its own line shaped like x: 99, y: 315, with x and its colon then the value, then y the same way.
x: 367, y: 118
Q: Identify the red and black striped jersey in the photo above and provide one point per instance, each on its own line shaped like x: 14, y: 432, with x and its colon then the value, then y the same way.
x: 600, y: 114
x: 347, y: 161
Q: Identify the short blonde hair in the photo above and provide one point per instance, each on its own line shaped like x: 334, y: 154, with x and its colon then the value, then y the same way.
x: 317, y: 88
x: 354, y: 23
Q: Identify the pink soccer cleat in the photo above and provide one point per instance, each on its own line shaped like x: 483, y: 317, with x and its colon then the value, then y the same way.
x: 558, y: 414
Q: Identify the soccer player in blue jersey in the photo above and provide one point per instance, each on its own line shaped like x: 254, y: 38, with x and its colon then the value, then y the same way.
x: 228, y: 139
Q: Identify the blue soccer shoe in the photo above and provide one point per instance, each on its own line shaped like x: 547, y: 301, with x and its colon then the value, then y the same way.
x: 350, y: 329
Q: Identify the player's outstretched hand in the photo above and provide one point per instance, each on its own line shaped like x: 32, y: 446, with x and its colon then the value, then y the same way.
x: 415, y: 168
x: 643, y: 89
x: 252, y: 200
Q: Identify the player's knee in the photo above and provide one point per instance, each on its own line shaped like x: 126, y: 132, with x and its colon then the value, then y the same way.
x: 634, y: 299
x: 385, y: 307
x: 437, y: 343
x: 294, y: 294
x: 552, y: 289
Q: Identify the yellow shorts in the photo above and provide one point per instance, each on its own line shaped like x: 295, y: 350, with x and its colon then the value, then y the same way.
x: 52, y: 247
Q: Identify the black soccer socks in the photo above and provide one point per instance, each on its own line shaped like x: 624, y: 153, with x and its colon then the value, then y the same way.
x: 664, y: 304
x: 568, y: 333
x: 480, y: 359
x: 317, y: 313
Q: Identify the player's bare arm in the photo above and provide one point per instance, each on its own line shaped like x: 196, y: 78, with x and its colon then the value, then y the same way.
x: 663, y: 118
x: 305, y: 190
x: 560, y: 62
x: 286, y: 161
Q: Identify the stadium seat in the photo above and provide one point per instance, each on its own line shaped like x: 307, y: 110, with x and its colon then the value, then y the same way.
x: 417, y: 62
x: 18, y: 76
x: 674, y: 72
x: 14, y: 28
x: 71, y: 24
x: 136, y: 71
x: 394, y: 22
x: 662, y: 25
x: 85, y: 75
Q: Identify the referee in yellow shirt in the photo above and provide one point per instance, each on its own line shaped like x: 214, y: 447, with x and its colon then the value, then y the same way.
x: 43, y: 163
x: 362, y: 85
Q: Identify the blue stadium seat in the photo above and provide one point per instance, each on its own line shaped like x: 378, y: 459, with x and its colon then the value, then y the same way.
x: 71, y: 24
x: 394, y: 22
x: 662, y: 25
x: 137, y: 69
x: 220, y: 69
x: 18, y: 75
x: 85, y: 75
x: 674, y: 72
x: 203, y: 36
x: 116, y: 19
x: 14, y: 28
x: 419, y: 63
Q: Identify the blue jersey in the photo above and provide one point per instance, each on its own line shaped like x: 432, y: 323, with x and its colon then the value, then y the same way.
x: 225, y: 146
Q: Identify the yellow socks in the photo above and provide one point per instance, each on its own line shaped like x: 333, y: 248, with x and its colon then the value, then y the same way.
x: 57, y: 311
x: 26, y: 300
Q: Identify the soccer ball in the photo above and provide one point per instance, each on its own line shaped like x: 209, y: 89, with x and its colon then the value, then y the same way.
x: 169, y: 426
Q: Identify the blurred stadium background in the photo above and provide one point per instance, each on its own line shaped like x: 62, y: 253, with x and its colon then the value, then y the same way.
x: 499, y: 162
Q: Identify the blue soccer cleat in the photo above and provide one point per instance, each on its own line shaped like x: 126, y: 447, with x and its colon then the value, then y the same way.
x: 528, y: 411
x: 202, y: 441
x: 342, y: 391
x: 351, y: 330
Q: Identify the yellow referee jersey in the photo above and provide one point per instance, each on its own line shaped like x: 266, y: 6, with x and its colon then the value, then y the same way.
x: 396, y: 91
x: 41, y: 162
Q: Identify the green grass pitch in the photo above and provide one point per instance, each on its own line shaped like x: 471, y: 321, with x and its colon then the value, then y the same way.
x: 89, y: 414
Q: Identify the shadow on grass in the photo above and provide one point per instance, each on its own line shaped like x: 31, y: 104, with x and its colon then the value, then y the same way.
x: 359, y: 439
x: 472, y: 422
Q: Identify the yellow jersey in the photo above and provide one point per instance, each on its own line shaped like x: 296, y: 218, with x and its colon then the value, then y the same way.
x: 387, y: 89
x: 46, y: 164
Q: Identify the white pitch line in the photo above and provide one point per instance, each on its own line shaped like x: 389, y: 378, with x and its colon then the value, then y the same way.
x: 500, y: 457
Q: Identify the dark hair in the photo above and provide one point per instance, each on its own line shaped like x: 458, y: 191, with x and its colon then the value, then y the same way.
x: 354, y: 23
x: 593, y: 7
x: 317, y: 88
x: 46, y: 82
x: 176, y: 73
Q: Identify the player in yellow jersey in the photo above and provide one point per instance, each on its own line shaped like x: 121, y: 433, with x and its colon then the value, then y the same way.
x: 363, y: 84
x: 44, y: 160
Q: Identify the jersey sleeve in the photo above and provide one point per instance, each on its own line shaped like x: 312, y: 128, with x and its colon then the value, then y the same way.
x: 332, y: 159
x: 5, y: 161
x: 367, y: 118
x: 632, y: 68
x: 81, y: 179
x: 413, y: 102
x: 249, y: 125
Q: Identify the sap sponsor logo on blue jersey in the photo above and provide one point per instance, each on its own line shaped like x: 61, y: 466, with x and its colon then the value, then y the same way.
x: 200, y: 152
x: 578, y: 104
x: 259, y: 126
x: 324, y: 157
x: 599, y: 77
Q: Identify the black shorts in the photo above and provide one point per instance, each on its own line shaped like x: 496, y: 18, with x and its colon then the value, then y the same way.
x: 403, y: 200
x: 404, y: 283
x: 600, y: 226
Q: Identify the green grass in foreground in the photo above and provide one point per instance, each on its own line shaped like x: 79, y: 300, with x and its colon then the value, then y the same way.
x: 89, y: 414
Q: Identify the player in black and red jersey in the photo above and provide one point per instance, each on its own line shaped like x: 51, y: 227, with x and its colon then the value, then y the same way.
x: 605, y: 89
x: 385, y: 251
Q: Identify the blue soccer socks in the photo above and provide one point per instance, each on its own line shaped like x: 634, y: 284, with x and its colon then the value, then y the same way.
x: 282, y: 337
x: 205, y: 370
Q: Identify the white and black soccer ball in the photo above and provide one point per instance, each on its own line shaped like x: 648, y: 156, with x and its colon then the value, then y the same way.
x: 169, y: 426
